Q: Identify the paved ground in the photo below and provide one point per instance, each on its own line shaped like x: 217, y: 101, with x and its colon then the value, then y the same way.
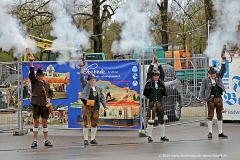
x: 187, y: 141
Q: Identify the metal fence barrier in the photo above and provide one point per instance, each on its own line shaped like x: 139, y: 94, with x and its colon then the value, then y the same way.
x: 10, y: 82
x: 182, y: 105
x: 182, y: 83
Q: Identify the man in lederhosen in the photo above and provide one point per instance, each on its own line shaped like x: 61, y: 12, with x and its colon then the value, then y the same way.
x: 41, y: 94
x: 154, y: 90
x: 91, y: 112
x: 211, y: 93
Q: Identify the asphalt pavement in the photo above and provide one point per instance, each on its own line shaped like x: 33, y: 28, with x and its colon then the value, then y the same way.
x: 187, y: 141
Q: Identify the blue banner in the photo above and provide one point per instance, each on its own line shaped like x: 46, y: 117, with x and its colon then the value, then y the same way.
x: 119, y: 81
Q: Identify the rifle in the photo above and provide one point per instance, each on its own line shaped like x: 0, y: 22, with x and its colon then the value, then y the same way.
x: 81, y: 61
x: 154, y: 55
x: 235, y: 48
x: 223, y: 53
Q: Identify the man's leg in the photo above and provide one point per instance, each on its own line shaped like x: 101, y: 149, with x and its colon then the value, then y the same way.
x: 35, y: 125
x: 95, y: 118
x: 150, y: 129
x: 93, y: 133
x: 160, y: 113
x: 219, y: 107
x: 210, y: 123
x: 86, y: 122
x: 45, y: 128
x: 151, y: 115
x: 210, y: 106
x: 35, y: 129
x: 85, y: 133
x: 45, y: 133
x: 35, y: 133
x: 45, y: 115
x: 85, y: 130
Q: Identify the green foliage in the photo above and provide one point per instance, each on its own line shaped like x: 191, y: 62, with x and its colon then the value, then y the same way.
x: 6, y: 56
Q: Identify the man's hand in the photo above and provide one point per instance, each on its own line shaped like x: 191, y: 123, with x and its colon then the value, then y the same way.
x: 223, y: 58
x: 82, y: 64
x: 30, y: 55
x: 202, y: 103
x: 106, y: 108
x: 51, y: 111
x: 154, y: 55
x: 153, y: 60
x: 31, y: 58
x: 83, y: 60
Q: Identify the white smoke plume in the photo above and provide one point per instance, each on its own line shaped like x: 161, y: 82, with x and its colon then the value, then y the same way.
x: 226, y: 27
x: 66, y: 33
x: 135, y: 28
x: 11, y: 35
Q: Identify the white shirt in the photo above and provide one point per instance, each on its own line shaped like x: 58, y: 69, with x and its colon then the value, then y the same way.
x: 156, y: 84
x: 93, y: 88
x: 213, y: 82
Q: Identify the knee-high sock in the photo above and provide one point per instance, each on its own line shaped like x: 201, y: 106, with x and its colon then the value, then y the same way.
x: 85, y: 133
x: 150, y: 129
x: 162, y: 130
x: 93, y: 133
x: 220, y: 126
x: 210, y: 123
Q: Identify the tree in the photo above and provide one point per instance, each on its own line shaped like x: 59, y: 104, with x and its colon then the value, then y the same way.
x: 95, y: 17
x: 190, y: 14
x: 111, y: 32
x: 208, y: 9
x: 163, y: 8
x: 208, y: 12
x: 36, y: 16
x: 98, y: 22
x: 7, y: 56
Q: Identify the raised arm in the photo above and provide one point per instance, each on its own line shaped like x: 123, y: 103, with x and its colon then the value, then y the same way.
x: 32, y: 73
x: 223, y: 69
x: 162, y: 74
x: 82, y: 79
x: 149, y: 72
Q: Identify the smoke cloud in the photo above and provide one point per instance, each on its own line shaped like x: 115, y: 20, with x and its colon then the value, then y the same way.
x: 226, y: 27
x: 12, y: 35
x: 135, y: 28
x: 66, y: 33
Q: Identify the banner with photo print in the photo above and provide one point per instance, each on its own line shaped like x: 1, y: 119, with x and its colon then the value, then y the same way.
x: 119, y: 81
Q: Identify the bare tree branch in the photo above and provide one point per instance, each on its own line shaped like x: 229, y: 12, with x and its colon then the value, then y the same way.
x: 189, y: 16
